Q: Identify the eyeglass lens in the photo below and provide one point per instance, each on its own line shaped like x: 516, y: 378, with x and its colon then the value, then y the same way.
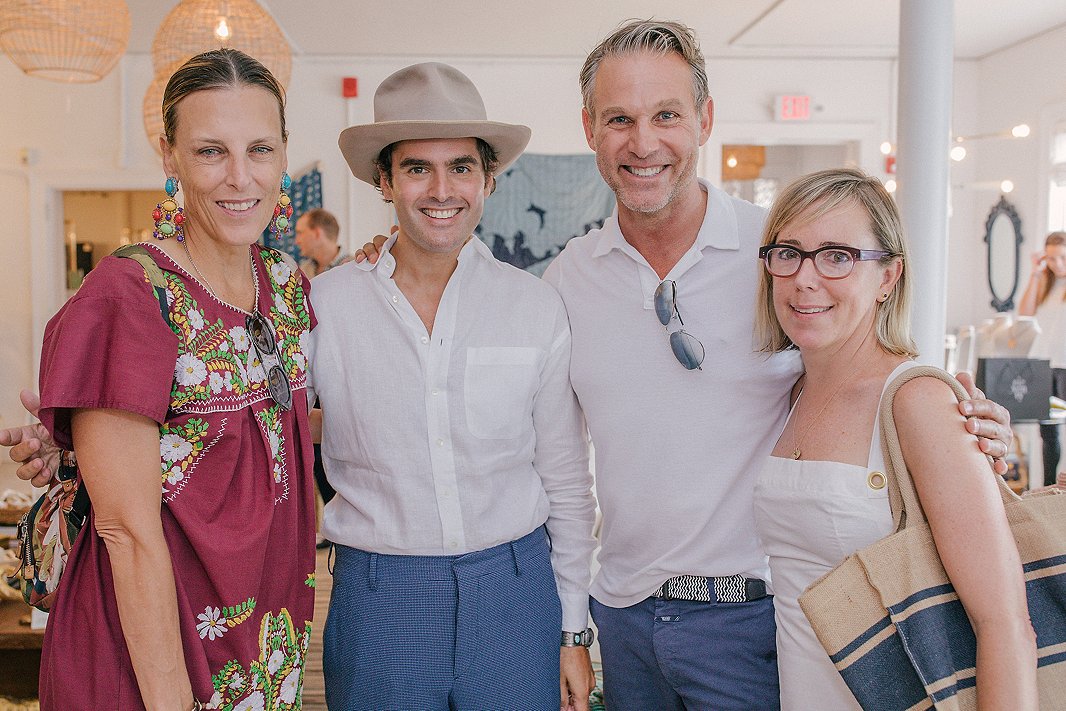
x: 831, y: 263
x: 263, y: 341
x: 687, y: 348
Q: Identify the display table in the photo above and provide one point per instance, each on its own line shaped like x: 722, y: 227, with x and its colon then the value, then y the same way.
x: 20, y: 651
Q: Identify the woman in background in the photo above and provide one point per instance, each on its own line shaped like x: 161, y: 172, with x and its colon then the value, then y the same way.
x: 1045, y: 298
x: 835, y: 287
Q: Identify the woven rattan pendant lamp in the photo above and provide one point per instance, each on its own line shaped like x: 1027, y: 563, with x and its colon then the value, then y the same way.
x: 195, y: 26
x: 64, y: 40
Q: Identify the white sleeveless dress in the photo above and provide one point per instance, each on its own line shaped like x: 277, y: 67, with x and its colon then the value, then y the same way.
x: 810, y: 516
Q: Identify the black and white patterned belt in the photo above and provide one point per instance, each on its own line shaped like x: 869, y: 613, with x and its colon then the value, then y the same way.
x: 696, y: 588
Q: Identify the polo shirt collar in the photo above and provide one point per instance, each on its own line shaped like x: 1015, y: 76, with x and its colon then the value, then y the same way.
x: 719, y: 229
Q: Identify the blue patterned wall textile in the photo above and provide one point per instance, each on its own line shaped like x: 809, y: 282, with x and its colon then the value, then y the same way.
x: 306, y: 193
x: 539, y: 204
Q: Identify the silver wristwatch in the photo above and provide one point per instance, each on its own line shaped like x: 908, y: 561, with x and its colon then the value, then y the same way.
x: 577, y: 639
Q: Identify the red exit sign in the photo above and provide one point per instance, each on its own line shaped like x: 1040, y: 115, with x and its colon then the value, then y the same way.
x: 792, y: 107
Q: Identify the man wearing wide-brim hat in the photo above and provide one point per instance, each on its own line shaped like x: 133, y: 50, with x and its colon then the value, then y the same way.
x: 463, y: 516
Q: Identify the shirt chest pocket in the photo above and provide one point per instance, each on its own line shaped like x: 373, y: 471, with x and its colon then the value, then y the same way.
x: 498, y: 388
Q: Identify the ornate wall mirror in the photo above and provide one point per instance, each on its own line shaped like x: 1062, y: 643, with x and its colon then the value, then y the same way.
x: 1003, y: 235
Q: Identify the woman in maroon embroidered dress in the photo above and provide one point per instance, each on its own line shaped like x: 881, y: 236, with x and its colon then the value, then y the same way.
x: 194, y: 581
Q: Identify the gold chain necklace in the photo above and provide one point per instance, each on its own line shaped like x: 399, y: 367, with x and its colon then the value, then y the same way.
x: 797, y: 452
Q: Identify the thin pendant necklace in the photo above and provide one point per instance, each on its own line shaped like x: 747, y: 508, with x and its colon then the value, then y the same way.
x: 797, y: 450
x: 211, y: 289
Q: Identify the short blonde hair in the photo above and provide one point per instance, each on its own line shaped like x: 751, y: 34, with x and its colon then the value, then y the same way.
x: 805, y: 200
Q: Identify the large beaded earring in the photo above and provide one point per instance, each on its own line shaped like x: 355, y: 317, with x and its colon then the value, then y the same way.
x: 168, y: 215
x: 283, y: 210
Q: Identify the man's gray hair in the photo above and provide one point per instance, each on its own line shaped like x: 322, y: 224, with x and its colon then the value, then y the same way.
x: 657, y: 36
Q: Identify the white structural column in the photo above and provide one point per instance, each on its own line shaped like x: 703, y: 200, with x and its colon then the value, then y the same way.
x: 926, y: 41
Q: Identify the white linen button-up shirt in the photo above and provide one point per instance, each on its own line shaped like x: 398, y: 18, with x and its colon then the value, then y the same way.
x: 459, y: 440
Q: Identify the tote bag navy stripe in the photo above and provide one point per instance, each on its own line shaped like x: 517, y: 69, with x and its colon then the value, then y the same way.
x: 891, y: 621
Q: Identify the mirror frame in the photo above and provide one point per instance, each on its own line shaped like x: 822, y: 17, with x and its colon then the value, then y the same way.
x: 1004, y: 208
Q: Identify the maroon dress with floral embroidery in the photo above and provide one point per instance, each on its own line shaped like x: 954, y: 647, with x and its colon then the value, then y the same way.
x: 235, y: 475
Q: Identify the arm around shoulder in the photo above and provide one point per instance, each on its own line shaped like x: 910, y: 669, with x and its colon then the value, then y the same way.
x: 961, y: 500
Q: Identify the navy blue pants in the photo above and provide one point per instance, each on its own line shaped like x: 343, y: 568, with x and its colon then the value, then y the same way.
x: 675, y: 655
x: 427, y: 633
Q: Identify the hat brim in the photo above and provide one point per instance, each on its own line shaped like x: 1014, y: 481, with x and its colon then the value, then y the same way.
x: 362, y: 144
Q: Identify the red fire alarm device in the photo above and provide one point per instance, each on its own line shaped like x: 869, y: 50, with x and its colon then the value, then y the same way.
x: 792, y: 107
x: 349, y: 87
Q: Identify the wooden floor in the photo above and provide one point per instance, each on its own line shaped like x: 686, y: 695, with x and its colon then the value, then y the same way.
x: 314, y: 691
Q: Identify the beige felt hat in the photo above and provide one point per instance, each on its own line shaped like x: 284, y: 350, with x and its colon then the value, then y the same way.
x: 429, y: 100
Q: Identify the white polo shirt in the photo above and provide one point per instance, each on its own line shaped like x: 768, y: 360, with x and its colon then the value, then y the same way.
x: 459, y: 440
x: 677, y: 451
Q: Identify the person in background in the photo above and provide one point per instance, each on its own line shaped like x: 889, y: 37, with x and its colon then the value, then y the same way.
x: 192, y: 583
x: 1045, y: 298
x: 317, y: 234
x: 835, y: 287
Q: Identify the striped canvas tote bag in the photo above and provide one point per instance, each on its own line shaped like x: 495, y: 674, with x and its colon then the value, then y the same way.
x: 890, y: 619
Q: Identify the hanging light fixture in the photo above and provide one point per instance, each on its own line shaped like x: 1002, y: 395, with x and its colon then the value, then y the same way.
x: 195, y: 26
x: 65, y: 40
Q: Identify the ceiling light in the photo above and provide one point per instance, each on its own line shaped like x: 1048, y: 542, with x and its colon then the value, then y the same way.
x: 222, y: 30
x: 890, y: 185
x: 1020, y: 131
x: 957, y: 153
x: 1006, y: 186
x: 65, y: 40
x: 886, y: 148
x: 731, y: 161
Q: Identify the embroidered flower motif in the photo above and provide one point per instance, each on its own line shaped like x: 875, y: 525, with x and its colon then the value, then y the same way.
x: 174, y: 448
x: 237, y: 681
x: 224, y: 347
x: 254, y: 702
x: 256, y: 371
x: 281, y: 272
x: 277, y: 473
x: 176, y: 474
x: 215, y: 382
x: 277, y: 658
x: 275, y: 443
x: 211, y: 624
x: 196, y: 319
x: 216, y: 700
x: 290, y: 686
x: 239, y: 336
x: 280, y: 305
x: 190, y: 370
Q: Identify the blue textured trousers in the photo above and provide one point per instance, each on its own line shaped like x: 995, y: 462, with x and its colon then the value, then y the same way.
x: 675, y: 655
x: 436, y: 633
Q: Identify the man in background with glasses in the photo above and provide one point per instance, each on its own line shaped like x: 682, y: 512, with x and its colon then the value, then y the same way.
x: 681, y: 409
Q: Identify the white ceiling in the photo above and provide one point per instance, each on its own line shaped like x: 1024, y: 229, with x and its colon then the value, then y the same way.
x: 570, y: 28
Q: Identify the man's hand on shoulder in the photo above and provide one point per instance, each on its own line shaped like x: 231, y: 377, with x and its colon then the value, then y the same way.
x: 372, y: 250
x: 989, y: 421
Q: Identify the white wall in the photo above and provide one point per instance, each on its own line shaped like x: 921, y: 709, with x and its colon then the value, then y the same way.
x: 1016, y: 85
